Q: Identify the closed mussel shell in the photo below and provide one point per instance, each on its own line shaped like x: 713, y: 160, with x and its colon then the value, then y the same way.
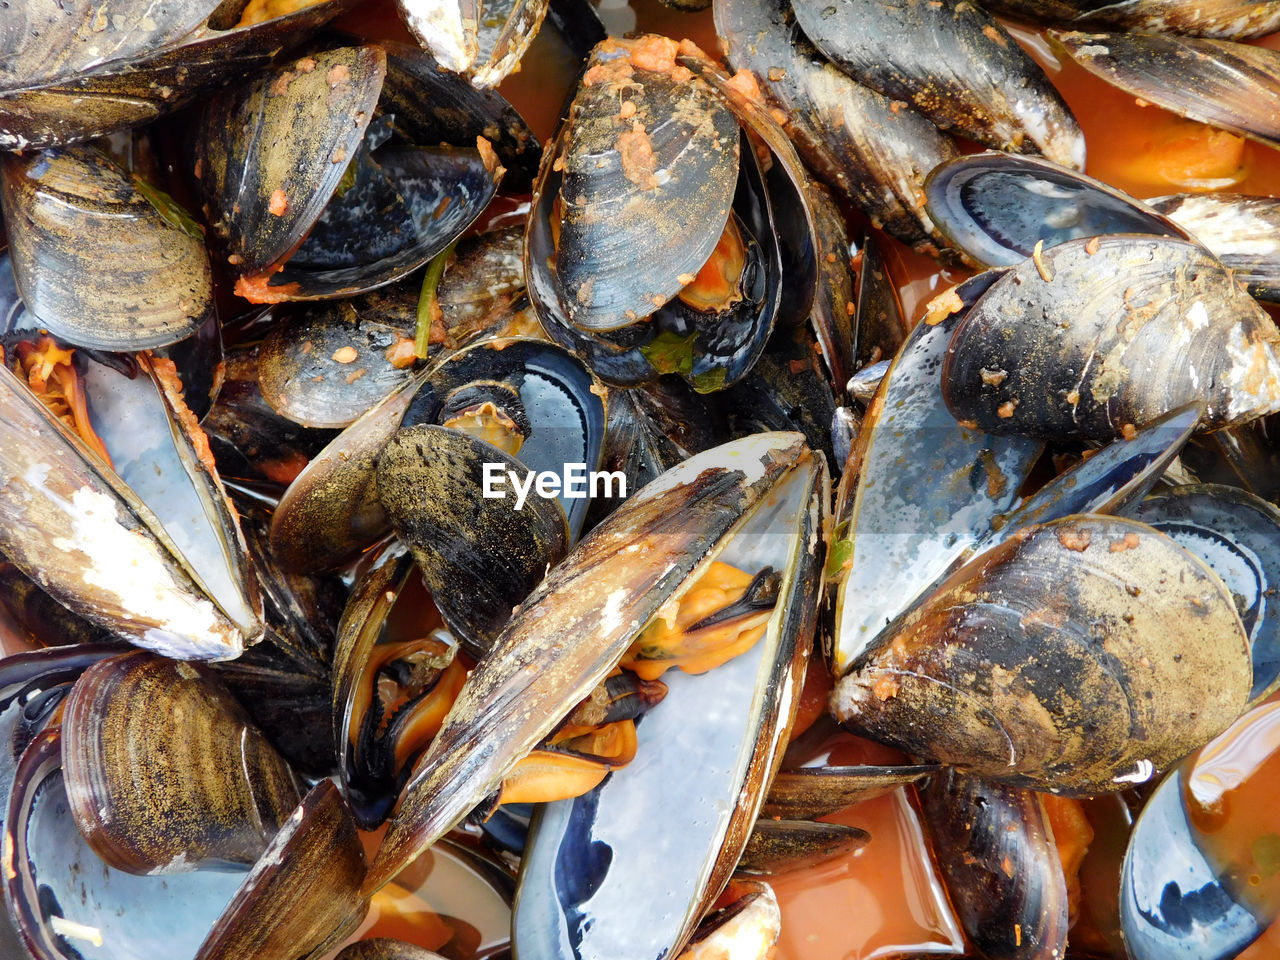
x: 1242, y: 231
x: 1230, y: 19
x: 1070, y: 658
x: 1092, y: 338
x: 165, y: 771
x: 646, y: 188
x: 96, y: 260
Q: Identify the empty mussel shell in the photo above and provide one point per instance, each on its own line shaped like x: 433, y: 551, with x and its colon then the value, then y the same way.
x: 1197, y: 881
x: 1071, y: 658
x: 165, y: 771
x: 1092, y: 338
x: 73, y: 526
x: 996, y: 207
x: 96, y: 258
x: 896, y: 523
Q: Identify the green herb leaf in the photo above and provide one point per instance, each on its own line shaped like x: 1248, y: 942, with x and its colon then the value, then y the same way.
x: 669, y: 352
x: 837, y: 556
x: 709, y: 382
x: 348, y: 177
x: 169, y: 209
x: 428, y: 305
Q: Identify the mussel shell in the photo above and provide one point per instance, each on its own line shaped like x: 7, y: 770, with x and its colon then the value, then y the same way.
x: 411, y: 203
x: 780, y: 846
x: 330, y: 513
x: 1071, y: 658
x: 898, y: 527
x: 954, y: 63
x: 288, y: 135
x: 1111, y: 331
x: 42, y: 42
x: 1115, y: 477
x: 562, y: 402
x: 446, y: 29
x: 95, y: 260
x: 853, y: 138
x: 833, y: 306
x: 304, y: 376
x: 152, y: 79
x: 165, y: 771
x: 644, y: 198
x: 1185, y: 889
x: 706, y: 769
x: 1243, y: 232
x: 1231, y: 19
x: 997, y: 854
x: 480, y: 555
x: 76, y: 529
x: 879, y: 326
x: 56, y: 877
x: 745, y: 929
x: 158, y: 453
x: 575, y: 627
x: 433, y: 107
x: 384, y: 948
x: 805, y: 793
x: 1236, y: 534
x: 996, y: 207
x: 1233, y: 86
x: 302, y: 897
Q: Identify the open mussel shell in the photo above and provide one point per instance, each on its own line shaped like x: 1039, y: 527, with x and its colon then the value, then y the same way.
x: 644, y: 196
x: 67, y: 81
x: 1237, y: 535
x: 1071, y: 658
x: 384, y: 948
x: 1095, y: 337
x: 330, y: 512
x: 1233, y: 86
x: 706, y: 769
x: 309, y: 201
x: 1243, y: 232
x: 1113, y: 478
x: 431, y: 106
x: 97, y: 261
x: 1197, y: 881
x: 898, y: 528
x: 69, y: 905
x: 157, y: 450
x: 302, y: 897
x: 1229, y: 19
x: 75, y: 528
x: 165, y: 771
x: 872, y: 152
x: 996, y: 851
x: 576, y: 626
x: 747, y: 928
x: 479, y: 554
x: 996, y: 207
x: 955, y: 64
